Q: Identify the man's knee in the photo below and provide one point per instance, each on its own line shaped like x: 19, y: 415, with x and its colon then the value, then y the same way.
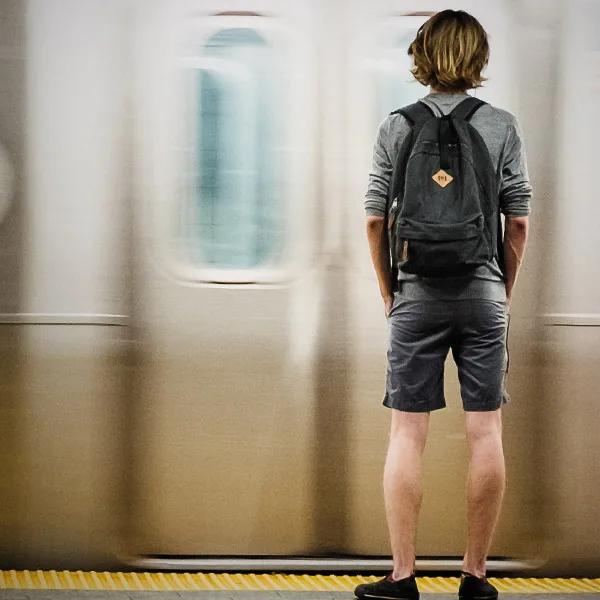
x: 410, y: 426
x: 484, y: 427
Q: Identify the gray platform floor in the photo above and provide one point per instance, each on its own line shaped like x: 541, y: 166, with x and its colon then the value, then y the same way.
x: 258, y: 595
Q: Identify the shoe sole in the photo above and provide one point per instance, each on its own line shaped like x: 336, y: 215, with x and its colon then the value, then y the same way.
x: 488, y: 597
x: 385, y: 597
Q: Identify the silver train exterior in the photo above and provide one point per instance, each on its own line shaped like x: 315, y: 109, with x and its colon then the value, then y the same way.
x: 193, y: 347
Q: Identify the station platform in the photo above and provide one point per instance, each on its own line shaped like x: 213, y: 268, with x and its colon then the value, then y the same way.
x: 92, y: 585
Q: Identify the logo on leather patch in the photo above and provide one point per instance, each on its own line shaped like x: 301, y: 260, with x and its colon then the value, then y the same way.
x: 442, y: 178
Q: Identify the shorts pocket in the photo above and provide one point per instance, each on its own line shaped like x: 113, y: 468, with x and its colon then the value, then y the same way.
x: 394, y: 303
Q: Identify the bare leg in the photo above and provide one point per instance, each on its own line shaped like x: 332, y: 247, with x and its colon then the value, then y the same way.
x: 486, y: 485
x: 402, y: 485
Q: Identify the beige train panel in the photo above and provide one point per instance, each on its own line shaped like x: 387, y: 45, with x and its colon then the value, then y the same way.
x: 225, y: 445
x: 568, y: 416
x: 11, y: 442
x: 70, y: 478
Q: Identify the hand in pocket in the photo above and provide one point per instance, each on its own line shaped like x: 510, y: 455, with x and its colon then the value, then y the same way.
x: 388, y: 305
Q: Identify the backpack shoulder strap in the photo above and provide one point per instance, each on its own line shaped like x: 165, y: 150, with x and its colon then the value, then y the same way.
x: 466, y: 109
x: 416, y: 114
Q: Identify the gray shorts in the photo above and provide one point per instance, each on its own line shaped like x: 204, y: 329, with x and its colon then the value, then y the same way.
x: 422, y: 332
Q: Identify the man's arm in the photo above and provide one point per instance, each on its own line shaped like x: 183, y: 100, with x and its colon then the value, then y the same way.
x: 515, y: 198
x: 379, y: 247
x: 516, y: 230
x: 375, y: 203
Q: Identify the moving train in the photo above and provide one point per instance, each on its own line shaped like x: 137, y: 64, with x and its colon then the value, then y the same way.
x: 193, y: 343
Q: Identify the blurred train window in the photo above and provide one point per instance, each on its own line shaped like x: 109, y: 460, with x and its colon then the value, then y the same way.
x: 235, y: 217
x: 394, y: 84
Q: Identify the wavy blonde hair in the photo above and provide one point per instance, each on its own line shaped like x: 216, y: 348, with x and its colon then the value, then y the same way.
x: 450, y: 51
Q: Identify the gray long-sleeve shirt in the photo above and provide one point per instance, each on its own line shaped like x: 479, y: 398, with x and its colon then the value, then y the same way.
x: 502, y: 133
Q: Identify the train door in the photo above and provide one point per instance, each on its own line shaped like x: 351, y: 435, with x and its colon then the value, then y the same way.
x: 570, y: 419
x: 63, y: 218
x: 228, y: 290
x: 259, y: 427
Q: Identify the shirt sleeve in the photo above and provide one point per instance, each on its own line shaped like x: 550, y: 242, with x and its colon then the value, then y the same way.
x: 381, y: 173
x: 515, y: 188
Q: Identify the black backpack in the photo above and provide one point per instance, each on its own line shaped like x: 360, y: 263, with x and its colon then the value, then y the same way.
x: 443, y: 215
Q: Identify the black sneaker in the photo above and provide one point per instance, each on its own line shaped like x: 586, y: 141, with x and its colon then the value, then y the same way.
x: 404, y: 589
x: 475, y: 588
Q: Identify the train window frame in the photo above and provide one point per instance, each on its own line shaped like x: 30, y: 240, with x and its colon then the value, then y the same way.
x: 166, y: 119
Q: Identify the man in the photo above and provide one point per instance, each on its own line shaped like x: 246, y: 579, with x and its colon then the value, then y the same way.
x: 428, y: 316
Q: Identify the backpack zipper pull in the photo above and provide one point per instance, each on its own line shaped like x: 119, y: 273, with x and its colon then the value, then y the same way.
x: 405, y: 250
x: 393, y: 213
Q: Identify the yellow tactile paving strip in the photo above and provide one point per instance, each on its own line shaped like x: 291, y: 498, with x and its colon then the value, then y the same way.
x: 92, y: 580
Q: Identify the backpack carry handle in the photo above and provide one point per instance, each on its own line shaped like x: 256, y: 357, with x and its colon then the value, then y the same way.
x: 466, y: 109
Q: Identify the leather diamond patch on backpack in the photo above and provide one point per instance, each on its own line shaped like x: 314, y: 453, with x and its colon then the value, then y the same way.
x: 442, y: 178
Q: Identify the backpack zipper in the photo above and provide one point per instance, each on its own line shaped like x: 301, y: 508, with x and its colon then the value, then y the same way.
x: 393, y: 213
